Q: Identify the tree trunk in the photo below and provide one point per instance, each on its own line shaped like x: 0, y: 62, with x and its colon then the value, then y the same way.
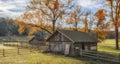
x: 53, y: 26
x: 116, y: 38
x: 76, y: 26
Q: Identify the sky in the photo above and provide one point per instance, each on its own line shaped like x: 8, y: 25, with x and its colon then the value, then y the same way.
x: 90, y: 4
x: 14, y: 8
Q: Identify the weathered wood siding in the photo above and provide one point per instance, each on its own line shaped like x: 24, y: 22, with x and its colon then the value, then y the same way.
x: 57, y: 37
x: 58, y: 42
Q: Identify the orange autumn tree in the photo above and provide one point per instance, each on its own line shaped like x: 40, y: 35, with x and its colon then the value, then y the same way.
x: 43, y: 14
x: 101, y: 25
x: 21, y: 25
x: 48, y: 11
x: 114, y: 6
x: 32, y: 28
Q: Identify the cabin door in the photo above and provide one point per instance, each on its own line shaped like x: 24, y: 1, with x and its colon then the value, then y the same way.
x: 83, y: 46
x: 67, y: 49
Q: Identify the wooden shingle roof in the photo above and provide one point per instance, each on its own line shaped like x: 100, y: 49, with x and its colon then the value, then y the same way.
x: 77, y: 36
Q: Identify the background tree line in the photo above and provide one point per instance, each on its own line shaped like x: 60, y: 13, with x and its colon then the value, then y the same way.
x: 8, y: 28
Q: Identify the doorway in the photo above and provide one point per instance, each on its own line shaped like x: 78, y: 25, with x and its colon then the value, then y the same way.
x: 67, y: 49
x: 83, y: 46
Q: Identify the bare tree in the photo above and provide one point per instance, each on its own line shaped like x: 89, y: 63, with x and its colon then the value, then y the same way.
x: 75, y: 17
x: 85, y: 21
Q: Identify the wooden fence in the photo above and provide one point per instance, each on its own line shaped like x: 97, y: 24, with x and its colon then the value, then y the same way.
x: 6, y: 52
x: 101, y: 56
x: 27, y: 46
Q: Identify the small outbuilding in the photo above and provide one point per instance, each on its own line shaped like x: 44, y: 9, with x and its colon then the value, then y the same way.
x: 71, y: 42
x: 38, y: 39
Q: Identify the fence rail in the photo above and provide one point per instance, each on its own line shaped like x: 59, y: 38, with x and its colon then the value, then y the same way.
x: 5, y: 52
x: 28, y: 46
x: 101, y: 56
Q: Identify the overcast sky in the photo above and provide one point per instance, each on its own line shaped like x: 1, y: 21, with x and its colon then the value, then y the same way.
x: 14, y: 8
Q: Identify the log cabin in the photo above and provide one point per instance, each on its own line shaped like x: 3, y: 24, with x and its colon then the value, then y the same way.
x: 71, y: 42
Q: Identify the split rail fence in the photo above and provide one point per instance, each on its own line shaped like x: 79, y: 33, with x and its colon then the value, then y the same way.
x: 7, y: 52
x: 101, y: 56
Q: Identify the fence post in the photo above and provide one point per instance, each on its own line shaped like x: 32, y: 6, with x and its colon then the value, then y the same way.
x: 18, y: 51
x: 97, y: 55
x: 119, y: 58
x: 81, y: 52
x: 4, y: 52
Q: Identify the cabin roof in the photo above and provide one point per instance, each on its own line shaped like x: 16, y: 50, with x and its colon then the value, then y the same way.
x: 37, y: 40
x: 77, y: 36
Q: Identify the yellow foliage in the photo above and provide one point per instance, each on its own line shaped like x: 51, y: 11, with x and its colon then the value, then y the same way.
x: 85, y: 22
x: 100, y: 16
x: 33, y: 30
x: 21, y: 25
x: 56, y: 4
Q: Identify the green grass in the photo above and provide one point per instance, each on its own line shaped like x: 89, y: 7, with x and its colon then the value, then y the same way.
x: 108, y: 46
x: 39, y: 58
x: 36, y: 57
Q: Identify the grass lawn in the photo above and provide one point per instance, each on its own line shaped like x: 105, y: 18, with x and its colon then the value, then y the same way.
x: 40, y: 58
x: 36, y: 57
x: 108, y: 46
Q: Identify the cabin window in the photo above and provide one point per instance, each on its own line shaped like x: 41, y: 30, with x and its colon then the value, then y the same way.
x: 86, y: 48
x: 93, y: 48
x: 76, y: 47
